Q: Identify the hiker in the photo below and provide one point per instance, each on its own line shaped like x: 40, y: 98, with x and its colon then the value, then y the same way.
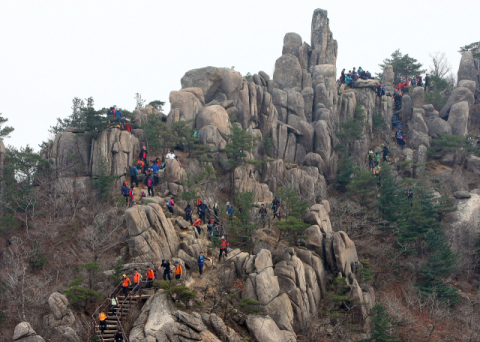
x: 137, y: 281
x: 166, y: 269
x: 403, y: 142
x: 111, y: 112
x: 177, y: 270
x: 128, y: 127
x: 150, y: 277
x: 370, y: 159
x: 125, y: 191
x: 276, y: 208
x: 354, y: 78
x: 419, y: 80
x: 155, y: 169
x: 398, y: 135
x: 229, y: 211
x: 133, y: 175
x: 348, y: 81
x: 210, y: 227
x: 427, y: 82
x: 188, y: 213
x: 223, y: 248
x: 170, y: 204
x: 376, y: 172
x: 142, y: 155
x: 114, y: 304
x: 170, y: 155
x: 342, y: 77
x: 386, y: 151
x: 368, y: 74
x: 126, y: 282
x: 410, y: 197
x: 197, y: 224
x: 201, y: 261
x: 215, y: 208
x: 131, y: 194
x: 199, y: 202
x: 118, y: 336
x: 376, y: 158
x: 141, y: 166
x: 202, y: 210
x: 103, y: 322
x: 263, y: 213
x: 398, y: 100
x: 150, y: 184
x: 118, y: 115
x: 394, y: 121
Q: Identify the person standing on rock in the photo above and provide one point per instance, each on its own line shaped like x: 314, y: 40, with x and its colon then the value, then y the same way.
x: 370, y: 160
x: 386, y: 151
x: 342, y: 77
x: 263, y: 213
x: 354, y: 78
x: 188, y: 213
x: 202, y: 210
x: 142, y: 155
x: 155, y: 169
x: 177, y: 270
x: 197, y: 224
x: 276, y: 208
x: 170, y: 155
x: 215, y: 208
x: 126, y: 282
x: 201, y: 262
x: 427, y: 82
x: 150, y: 184
x: 125, y: 191
x: 166, y: 269
x: 131, y: 194
x: 224, y: 245
x: 170, y: 205
x: 133, y: 175
x: 229, y: 211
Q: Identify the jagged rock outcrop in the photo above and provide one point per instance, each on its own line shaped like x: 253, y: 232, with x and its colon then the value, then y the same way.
x: 62, y: 321
x: 468, y: 70
x: 25, y: 333
x: 458, y: 118
x: 152, y: 235
x: 264, y: 329
x: 437, y: 126
x: 141, y: 114
x: 160, y: 321
x: 458, y: 95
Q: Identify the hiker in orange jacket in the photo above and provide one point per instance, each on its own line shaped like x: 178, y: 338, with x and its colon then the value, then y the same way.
x: 126, y: 282
x: 197, y: 224
x: 150, y: 277
x: 103, y: 321
x: 223, y: 248
x: 178, y: 271
x: 137, y: 278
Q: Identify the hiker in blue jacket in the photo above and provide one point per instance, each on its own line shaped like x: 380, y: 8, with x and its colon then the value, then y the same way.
x: 201, y: 262
x: 133, y: 175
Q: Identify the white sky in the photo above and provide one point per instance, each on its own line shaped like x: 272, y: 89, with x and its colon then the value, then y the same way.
x: 53, y: 51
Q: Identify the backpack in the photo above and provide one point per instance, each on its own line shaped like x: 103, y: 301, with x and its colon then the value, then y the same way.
x: 198, y: 135
x: 125, y: 190
x: 171, y: 203
x: 149, y: 182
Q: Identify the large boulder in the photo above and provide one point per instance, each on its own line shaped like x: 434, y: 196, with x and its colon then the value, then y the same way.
x: 462, y: 227
x: 388, y: 78
x: 152, y: 235
x: 437, y: 126
x: 467, y: 69
x: 418, y: 97
x: 210, y: 135
x: 291, y: 44
x: 25, y: 333
x: 187, y: 103
x: 307, y: 130
x: 70, y: 153
x: 288, y: 72
x: 141, y: 114
x: 296, y: 104
x: 324, y: 47
x: 458, y: 95
x: 366, y: 83
x: 215, y: 116
x: 458, y: 118
x: 416, y: 139
x: 174, y: 173
x: 264, y: 329
x: 471, y: 85
x: 418, y: 123
x: 62, y: 321
x: 345, y: 253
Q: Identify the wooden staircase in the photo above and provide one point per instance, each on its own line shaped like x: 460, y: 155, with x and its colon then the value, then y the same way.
x: 116, y: 320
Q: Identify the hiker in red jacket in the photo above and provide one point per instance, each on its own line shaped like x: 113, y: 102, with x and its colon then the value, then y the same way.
x: 131, y: 194
x: 128, y: 127
x: 142, y: 155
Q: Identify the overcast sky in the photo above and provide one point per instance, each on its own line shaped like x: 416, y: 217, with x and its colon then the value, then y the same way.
x: 53, y: 51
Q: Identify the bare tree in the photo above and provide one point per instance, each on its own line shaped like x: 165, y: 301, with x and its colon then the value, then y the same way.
x: 440, y: 66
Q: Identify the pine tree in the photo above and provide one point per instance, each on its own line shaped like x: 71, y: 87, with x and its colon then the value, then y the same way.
x: 460, y: 147
x: 242, y: 222
x: 388, y: 195
x: 363, y: 187
x: 5, y: 131
x: 381, y: 326
x: 294, y: 210
x: 403, y: 66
